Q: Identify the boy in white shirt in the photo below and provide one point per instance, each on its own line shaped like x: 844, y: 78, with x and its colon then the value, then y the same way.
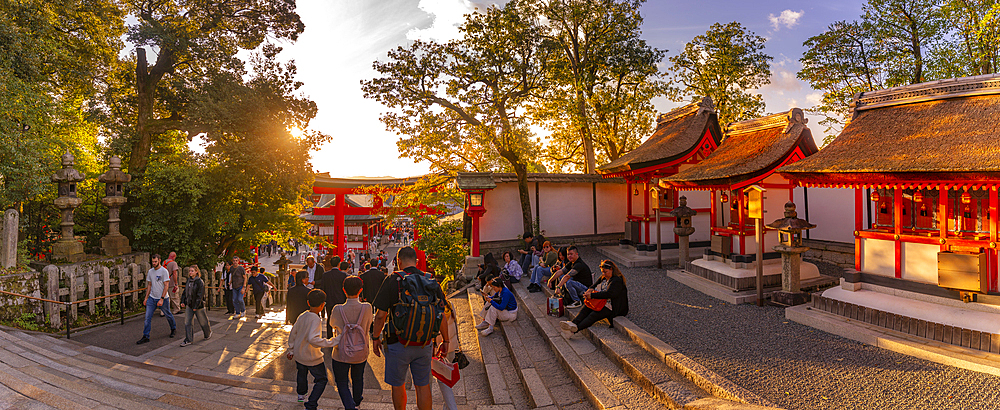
x: 304, y: 343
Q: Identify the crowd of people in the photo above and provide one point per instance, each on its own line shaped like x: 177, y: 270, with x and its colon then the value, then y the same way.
x: 373, y: 309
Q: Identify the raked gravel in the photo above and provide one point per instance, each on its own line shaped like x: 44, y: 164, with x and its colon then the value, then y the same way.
x: 789, y: 364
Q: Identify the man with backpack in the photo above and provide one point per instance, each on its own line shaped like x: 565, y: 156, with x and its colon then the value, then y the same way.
x: 351, y: 321
x: 414, y: 306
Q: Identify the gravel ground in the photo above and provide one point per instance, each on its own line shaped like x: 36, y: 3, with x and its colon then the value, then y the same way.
x: 792, y: 365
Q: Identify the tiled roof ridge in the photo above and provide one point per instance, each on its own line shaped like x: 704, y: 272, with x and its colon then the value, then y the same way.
x: 697, y: 107
x: 929, y: 91
x: 786, y: 119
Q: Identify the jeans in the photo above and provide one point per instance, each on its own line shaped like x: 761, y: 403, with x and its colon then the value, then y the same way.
x: 228, y: 296
x: 526, y: 262
x: 150, y: 308
x: 448, y: 396
x: 238, y: 305
x: 537, y: 274
x: 588, y: 317
x: 201, y: 317
x: 576, y: 290
x: 351, y: 395
x: 302, y: 382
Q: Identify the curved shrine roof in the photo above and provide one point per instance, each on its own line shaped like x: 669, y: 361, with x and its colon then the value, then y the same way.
x: 751, y: 149
x: 677, y: 134
x: 938, y: 130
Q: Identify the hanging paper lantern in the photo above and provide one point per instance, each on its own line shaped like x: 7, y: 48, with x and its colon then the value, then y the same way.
x: 725, y: 197
x: 875, y: 196
x: 918, y: 196
x: 966, y: 198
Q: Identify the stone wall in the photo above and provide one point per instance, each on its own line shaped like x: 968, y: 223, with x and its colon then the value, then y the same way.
x: 837, y: 253
x: 22, y: 283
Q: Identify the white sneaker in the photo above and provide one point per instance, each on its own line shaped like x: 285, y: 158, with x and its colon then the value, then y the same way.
x: 482, y: 325
x: 486, y: 332
x: 568, y: 326
x: 574, y: 305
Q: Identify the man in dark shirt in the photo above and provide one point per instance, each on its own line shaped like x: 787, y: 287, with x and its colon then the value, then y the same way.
x: 399, y: 358
x: 576, y: 277
x: 372, y: 280
x: 297, y: 297
x: 333, y: 285
x: 532, y: 243
x: 259, y: 285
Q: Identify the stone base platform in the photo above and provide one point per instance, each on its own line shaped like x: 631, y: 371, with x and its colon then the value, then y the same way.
x: 627, y: 257
x: 935, y: 327
x: 721, y: 281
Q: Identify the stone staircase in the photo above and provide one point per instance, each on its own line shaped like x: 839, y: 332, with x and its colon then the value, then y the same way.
x: 619, y: 368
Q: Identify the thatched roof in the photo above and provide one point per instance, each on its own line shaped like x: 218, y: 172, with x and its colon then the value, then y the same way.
x: 751, y: 149
x: 943, y: 130
x: 677, y: 134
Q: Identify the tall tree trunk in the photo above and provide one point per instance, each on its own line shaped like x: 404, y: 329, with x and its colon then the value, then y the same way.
x: 588, y: 141
x: 142, y: 144
x: 521, y: 170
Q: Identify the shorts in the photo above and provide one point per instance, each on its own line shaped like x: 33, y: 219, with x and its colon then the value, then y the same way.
x: 399, y: 357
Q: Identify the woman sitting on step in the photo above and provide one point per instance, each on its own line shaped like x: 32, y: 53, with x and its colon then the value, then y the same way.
x: 607, y: 299
x: 500, y: 304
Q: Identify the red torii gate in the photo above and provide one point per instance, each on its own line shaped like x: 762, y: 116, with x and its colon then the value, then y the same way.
x: 341, y: 187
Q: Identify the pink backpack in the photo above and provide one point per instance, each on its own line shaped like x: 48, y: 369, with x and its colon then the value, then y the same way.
x: 353, y: 344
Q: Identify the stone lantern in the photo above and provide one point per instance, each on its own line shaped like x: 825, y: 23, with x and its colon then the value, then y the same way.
x: 67, y: 247
x: 790, y: 237
x: 114, y: 243
x: 682, y: 227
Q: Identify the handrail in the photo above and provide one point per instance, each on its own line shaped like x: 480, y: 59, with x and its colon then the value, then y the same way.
x: 69, y: 304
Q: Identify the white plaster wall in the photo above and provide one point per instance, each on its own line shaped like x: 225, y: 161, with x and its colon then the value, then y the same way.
x: 502, y: 220
x: 770, y: 240
x: 831, y: 210
x: 879, y: 257
x: 567, y: 209
x: 610, y: 208
x: 920, y: 262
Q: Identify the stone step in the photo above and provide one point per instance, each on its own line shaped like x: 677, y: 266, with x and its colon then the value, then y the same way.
x: 546, y: 384
x: 489, y: 349
x: 63, y: 381
x: 670, y: 377
x: 605, y: 384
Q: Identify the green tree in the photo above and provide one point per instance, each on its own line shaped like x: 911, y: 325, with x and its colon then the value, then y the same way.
x: 194, y: 41
x: 973, y: 45
x: 843, y: 61
x: 906, y: 30
x: 725, y: 63
x: 459, y: 105
x: 603, y: 78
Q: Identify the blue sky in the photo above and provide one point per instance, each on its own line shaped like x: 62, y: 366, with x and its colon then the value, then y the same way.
x: 343, y: 37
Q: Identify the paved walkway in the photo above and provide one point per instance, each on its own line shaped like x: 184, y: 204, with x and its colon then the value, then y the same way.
x: 792, y: 365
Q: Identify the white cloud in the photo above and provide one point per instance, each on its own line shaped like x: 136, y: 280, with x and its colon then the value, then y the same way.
x: 787, y: 18
x: 447, y: 15
x: 814, y: 98
x: 783, y: 81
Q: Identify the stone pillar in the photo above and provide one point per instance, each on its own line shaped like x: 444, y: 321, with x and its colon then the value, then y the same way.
x: 71, y: 282
x: 472, y: 266
x: 89, y: 280
x: 8, y: 240
x: 790, y: 234
x: 134, y: 275
x: 50, y: 279
x: 106, y: 285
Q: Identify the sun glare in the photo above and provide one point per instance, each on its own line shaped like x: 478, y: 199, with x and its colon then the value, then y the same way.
x: 297, y: 132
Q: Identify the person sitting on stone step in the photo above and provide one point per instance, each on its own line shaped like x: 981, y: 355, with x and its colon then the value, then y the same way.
x: 545, y: 264
x: 514, y: 271
x: 610, y: 288
x: 500, y: 304
x: 575, y: 278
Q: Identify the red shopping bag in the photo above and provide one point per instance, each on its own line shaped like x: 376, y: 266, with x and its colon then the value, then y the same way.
x: 444, y: 371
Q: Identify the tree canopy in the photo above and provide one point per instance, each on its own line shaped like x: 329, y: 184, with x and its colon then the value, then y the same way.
x: 726, y: 63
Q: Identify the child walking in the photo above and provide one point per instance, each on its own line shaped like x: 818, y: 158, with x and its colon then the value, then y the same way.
x: 350, y: 322
x: 304, y: 343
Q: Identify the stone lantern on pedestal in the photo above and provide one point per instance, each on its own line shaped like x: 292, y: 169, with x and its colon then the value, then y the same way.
x: 683, y: 228
x: 67, y: 247
x: 790, y: 237
x: 114, y: 243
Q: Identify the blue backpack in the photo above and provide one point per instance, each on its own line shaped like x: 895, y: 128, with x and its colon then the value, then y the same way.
x: 418, y: 314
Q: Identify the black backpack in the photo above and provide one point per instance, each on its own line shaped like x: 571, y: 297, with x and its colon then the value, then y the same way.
x: 418, y: 314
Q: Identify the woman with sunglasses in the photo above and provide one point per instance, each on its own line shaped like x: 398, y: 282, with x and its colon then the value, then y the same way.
x: 607, y: 299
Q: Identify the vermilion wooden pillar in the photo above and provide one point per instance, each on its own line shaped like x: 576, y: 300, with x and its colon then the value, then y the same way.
x: 628, y: 200
x: 858, y: 226
x: 740, y: 200
x: 992, y: 192
x: 474, y: 214
x: 897, y: 228
x: 712, y: 211
x: 645, y: 207
x: 943, y: 216
x: 338, y: 223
